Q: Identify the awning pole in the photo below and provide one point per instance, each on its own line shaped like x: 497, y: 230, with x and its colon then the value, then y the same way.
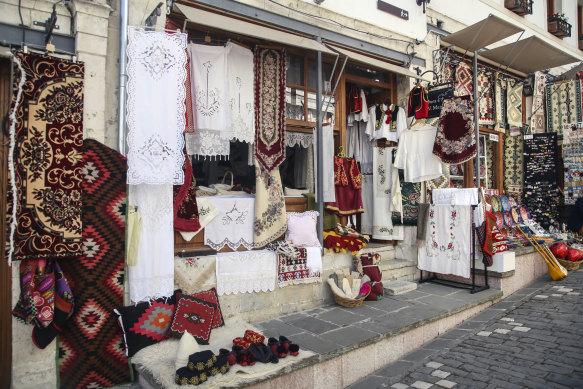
x: 320, y: 149
x: 122, y: 77
x: 476, y: 126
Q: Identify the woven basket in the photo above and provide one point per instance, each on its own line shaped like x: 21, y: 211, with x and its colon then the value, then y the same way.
x: 569, y: 265
x: 222, y: 186
x: 348, y: 302
x: 205, y: 191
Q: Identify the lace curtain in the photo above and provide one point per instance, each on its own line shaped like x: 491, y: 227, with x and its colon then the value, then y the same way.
x: 155, y: 107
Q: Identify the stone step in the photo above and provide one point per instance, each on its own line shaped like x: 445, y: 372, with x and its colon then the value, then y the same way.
x: 399, y: 287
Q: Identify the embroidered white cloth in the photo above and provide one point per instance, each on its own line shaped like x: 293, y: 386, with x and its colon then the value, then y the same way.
x: 382, y: 224
x: 206, y: 213
x: 455, y: 196
x: 246, y: 272
x: 415, y: 154
x: 367, y: 204
x: 155, y: 106
x: 448, y: 241
x: 327, y: 163
x: 240, y: 93
x: 233, y: 226
x: 298, y: 139
x: 153, y: 275
x: 210, y: 86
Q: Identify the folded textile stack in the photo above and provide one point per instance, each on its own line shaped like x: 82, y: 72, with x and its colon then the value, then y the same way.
x: 342, y: 243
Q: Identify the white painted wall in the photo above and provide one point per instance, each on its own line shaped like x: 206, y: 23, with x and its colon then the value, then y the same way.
x: 366, y: 11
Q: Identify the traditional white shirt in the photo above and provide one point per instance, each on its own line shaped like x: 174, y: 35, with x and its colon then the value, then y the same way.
x: 415, y: 154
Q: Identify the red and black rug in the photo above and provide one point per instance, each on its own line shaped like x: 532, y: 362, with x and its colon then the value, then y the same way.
x: 91, y: 347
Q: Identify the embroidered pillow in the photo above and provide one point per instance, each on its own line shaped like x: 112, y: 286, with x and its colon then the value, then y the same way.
x: 146, y: 323
x: 210, y: 296
x: 194, y: 316
x: 301, y: 229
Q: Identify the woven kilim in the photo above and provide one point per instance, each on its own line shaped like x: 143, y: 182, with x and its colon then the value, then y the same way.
x: 489, y: 161
x: 270, y: 79
x: 537, y: 119
x: 486, y: 115
x: 500, y: 100
x: 91, y: 347
x: 514, y: 104
x: 48, y: 154
x: 411, y: 193
x: 464, y: 80
x: 291, y: 271
x: 563, y: 104
x: 514, y: 166
x: 448, y: 72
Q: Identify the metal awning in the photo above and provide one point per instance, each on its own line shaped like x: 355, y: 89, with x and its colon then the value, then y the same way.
x: 231, y: 24
x: 481, y: 34
x: 377, y: 63
x: 529, y: 55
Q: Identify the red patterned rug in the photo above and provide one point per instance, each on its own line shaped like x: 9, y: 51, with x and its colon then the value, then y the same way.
x: 48, y: 158
x: 270, y: 79
x: 91, y: 347
x: 464, y: 80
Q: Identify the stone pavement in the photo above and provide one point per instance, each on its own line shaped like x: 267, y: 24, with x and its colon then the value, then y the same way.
x: 532, y: 339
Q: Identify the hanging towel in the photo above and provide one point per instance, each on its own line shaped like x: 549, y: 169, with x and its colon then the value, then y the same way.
x: 327, y: 162
x: 233, y: 225
x: 240, y: 93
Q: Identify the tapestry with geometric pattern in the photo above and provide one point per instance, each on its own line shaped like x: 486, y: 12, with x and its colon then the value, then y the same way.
x: 91, y: 346
x: 486, y: 113
x: 537, y: 115
x: 464, y: 80
x: 514, y: 166
x: 500, y: 101
x: 514, y: 104
x: 563, y: 105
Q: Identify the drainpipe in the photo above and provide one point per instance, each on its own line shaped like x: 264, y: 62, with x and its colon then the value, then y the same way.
x: 476, y: 125
x: 122, y: 76
x: 320, y: 148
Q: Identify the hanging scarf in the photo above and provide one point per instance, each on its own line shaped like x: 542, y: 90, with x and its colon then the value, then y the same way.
x: 270, y: 78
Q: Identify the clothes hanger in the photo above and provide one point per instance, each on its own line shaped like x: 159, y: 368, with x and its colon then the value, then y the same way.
x: 341, y: 153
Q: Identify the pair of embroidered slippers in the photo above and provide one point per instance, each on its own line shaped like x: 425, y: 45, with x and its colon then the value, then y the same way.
x: 282, y: 347
x: 257, y: 352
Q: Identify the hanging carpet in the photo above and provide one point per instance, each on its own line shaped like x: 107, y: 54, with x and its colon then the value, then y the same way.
x: 500, y: 100
x: 464, y: 77
x: 91, y: 347
x: 537, y: 119
x: 514, y: 104
x: 455, y: 141
x: 486, y: 112
x: 563, y: 104
x: 270, y: 78
x: 514, y: 166
x: 270, y: 215
x: 48, y: 142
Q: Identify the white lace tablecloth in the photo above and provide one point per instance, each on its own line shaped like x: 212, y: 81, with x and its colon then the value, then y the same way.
x: 233, y: 226
x: 246, y: 272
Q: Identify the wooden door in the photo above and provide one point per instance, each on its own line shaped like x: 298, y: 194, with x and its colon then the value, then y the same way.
x: 5, y: 270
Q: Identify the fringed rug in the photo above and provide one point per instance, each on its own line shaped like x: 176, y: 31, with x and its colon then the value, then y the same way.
x: 514, y: 166
x: 464, y: 80
x: 292, y: 271
x: 270, y: 215
x: 537, y: 119
x: 486, y: 113
x: 541, y: 194
x: 514, y: 104
x: 563, y: 104
x: 411, y: 193
x: 91, y: 348
x: 270, y: 77
x: 47, y: 158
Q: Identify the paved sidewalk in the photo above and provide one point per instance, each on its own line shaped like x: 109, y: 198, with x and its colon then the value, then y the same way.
x: 532, y: 339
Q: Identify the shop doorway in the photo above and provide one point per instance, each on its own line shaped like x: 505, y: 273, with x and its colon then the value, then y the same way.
x: 5, y: 270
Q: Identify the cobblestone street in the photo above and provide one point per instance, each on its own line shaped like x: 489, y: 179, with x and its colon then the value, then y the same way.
x: 532, y: 339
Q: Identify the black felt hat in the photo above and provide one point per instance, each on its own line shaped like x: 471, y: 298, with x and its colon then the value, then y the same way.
x: 185, y: 376
x: 202, y: 361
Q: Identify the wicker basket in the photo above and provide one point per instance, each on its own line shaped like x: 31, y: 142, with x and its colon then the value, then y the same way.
x: 348, y: 302
x: 569, y: 265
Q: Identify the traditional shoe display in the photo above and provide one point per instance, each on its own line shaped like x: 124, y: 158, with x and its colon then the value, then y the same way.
x: 230, y: 355
x: 241, y: 342
x: 253, y: 337
x: 294, y: 349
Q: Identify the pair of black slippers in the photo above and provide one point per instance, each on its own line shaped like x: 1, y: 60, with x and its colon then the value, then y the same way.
x: 283, y: 346
x: 257, y: 352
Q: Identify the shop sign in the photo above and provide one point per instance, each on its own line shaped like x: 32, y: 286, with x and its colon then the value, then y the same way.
x: 389, y: 8
x: 494, y: 137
